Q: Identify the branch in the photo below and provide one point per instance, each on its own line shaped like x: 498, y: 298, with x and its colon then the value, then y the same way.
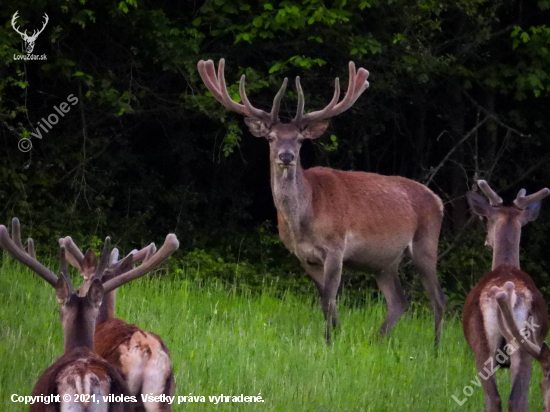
x: 493, y: 116
x: 456, y: 146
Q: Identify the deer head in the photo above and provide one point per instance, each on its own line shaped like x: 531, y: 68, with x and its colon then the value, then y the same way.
x: 511, y: 331
x: 81, y: 307
x: 505, y: 222
x: 77, y: 312
x: 285, y: 139
x: 29, y: 40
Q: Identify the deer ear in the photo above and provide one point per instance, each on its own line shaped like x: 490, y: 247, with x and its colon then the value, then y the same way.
x: 257, y: 127
x: 531, y: 212
x: 315, y: 130
x: 479, y: 205
x: 62, y: 291
x: 95, y: 293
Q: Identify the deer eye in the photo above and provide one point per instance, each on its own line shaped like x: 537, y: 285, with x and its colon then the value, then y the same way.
x: 270, y: 138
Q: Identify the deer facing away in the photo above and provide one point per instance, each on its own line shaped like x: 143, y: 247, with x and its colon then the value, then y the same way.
x: 329, y: 218
x: 79, y: 371
x: 504, y: 298
x: 141, y: 357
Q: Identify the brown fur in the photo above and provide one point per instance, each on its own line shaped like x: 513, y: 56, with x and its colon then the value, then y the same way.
x: 472, y: 319
x: 47, y: 384
x: 483, y: 346
x: 115, y: 338
x: 480, y: 320
x: 363, y: 220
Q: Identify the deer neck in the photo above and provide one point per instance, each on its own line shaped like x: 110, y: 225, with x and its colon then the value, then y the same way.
x: 506, y: 250
x: 292, y: 195
x: 107, y: 308
x: 79, y: 333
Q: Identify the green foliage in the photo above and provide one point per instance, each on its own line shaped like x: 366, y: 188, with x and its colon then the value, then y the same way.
x: 147, y: 150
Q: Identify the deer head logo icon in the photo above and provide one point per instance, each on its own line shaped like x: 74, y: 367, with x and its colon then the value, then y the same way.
x: 29, y: 40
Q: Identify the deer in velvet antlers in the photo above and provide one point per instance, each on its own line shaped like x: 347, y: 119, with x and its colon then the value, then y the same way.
x: 506, y: 300
x: 141, y: 357
x: 79, y: 371
x: 329, y: 218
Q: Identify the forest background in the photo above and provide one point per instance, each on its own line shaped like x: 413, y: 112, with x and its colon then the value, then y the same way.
x: 459, y: 91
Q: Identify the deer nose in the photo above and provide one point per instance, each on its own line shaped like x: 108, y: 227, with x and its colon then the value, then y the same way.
x: 286, y: 157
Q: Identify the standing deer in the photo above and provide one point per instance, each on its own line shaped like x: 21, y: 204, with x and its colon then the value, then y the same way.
x: 328, y: 217
x: 141, y: 357
x: 79, y: 374
x: 480, y: 319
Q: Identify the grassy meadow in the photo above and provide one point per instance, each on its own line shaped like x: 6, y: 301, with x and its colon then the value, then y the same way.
x: 225, y: 340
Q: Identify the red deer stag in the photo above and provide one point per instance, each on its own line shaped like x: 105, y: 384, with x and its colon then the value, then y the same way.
x: 79, y: 374
x: 480, y: 319
x: 142, y: 357
x: 329, y: 218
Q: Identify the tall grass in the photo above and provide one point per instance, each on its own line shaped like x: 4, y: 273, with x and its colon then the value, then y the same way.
x: 232, y: 342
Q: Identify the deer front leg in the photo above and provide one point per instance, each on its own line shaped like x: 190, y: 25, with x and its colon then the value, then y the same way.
x: 333, y: 275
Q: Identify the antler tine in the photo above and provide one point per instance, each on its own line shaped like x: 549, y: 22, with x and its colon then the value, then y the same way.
x: 114, y: 257
x: 277, y: 102
x: 256, y: 113
x: 104, y: 259
x: 140, y: 255
x: 319, y: 114
x: 494, y: 199
x: 170, y: 245
x: 63, y: 270
x: 218, y: 88
x: 16, y: 233
x: 73, y: 254
x: 301, y: 102
x: 523, y: 201
x: 7, y: 244
x: 357, y: 84
x: 30, y: 248
x: 207, y: 72
x: 511, y: 329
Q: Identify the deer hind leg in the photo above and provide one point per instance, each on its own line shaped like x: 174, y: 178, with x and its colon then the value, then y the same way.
x: 157, y: 378
x: 424, y: 257
x: 332, y: 277
x: 396, y: 301
x: 520, y: 365
x: 486, y: 372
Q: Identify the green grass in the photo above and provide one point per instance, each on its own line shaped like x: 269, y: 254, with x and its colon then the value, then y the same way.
x: 232, y: 342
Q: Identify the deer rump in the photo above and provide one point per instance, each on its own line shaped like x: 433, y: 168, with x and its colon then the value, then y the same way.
x: 481, y: 309
x: 81, y: 372
x: 141, y: 357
